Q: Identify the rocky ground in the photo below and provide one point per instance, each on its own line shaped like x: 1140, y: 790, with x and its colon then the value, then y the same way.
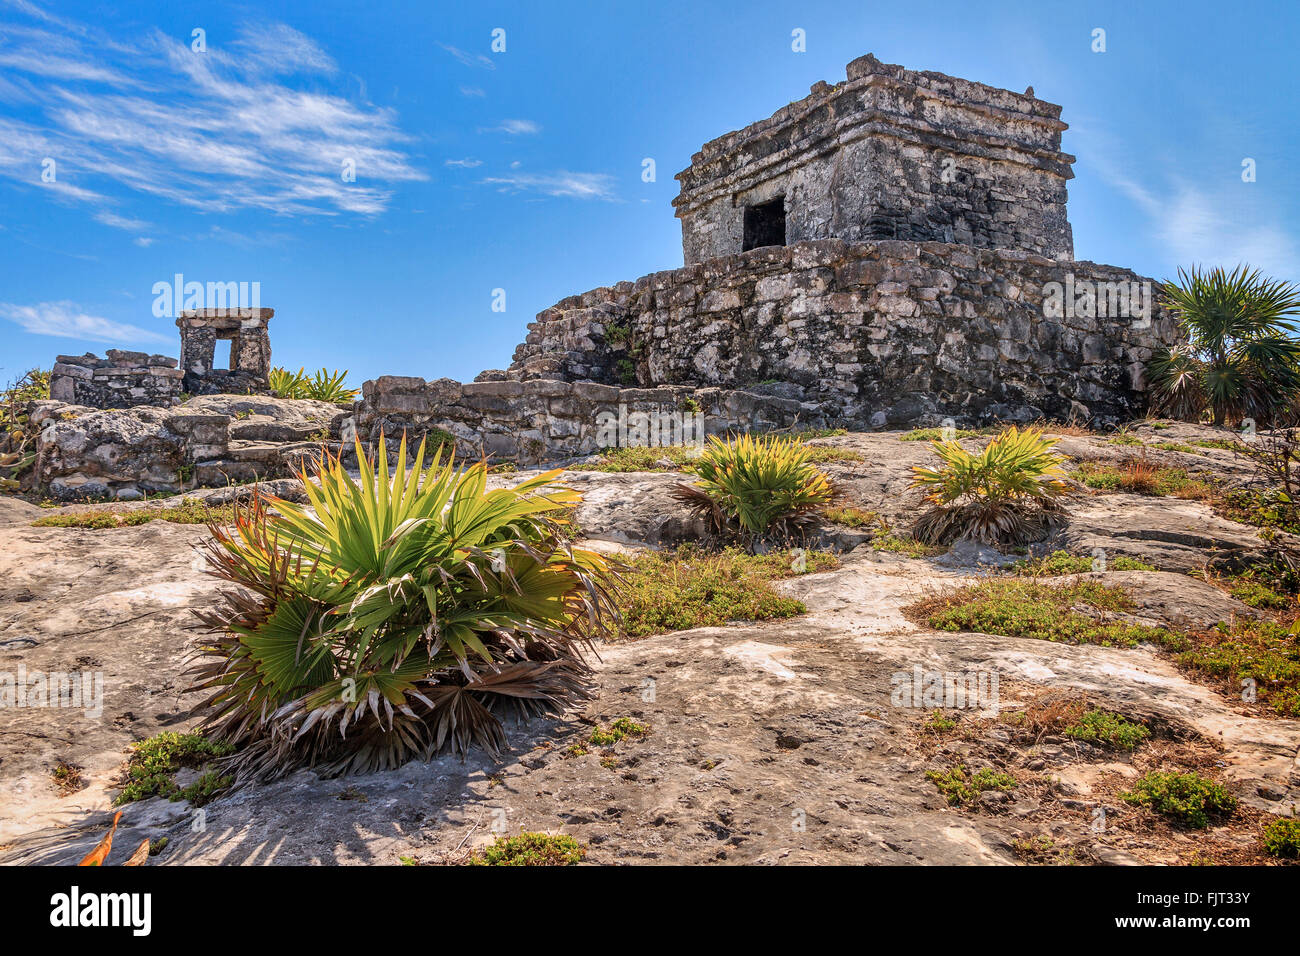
x: 775, y: 742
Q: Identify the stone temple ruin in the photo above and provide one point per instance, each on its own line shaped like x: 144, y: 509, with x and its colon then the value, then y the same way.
x: 890, y: 251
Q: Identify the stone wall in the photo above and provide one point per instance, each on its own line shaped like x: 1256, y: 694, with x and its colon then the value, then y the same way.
x: 889, y: 153
x: 121, y: 380
x: 889, y: 332
x: 545, y: 420
x: 122, y: 454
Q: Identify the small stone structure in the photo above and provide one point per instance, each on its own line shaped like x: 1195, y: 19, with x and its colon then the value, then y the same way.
x: 121, y: 380
x: 250, y: 350
x: 889, y: 153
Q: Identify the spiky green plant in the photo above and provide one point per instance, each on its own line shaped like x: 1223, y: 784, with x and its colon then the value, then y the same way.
x: 395, y: 617
x: 1006, y: 494
x: 288, y: 384
x: 322, y: 386
x: 755, y: 486
x: 327, y: 386
x: 1240, y: 359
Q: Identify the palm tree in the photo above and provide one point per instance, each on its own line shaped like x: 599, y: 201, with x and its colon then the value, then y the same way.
x: 1239, y: 359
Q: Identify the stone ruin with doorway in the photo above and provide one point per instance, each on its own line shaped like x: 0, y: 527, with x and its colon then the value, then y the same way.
x: 127, y: 379
x: 245, y: 330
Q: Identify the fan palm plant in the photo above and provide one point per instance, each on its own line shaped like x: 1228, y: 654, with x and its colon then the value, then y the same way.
x: 397, y: 616
x: 322, y: 386
x: 1006, y: 494
x: 755, y: 486
x: 1239, y: 359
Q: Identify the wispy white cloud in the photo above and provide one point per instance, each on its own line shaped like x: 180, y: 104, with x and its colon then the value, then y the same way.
x: 216, y: 131
x: 1221, y: 224
x: 472, y: 91
x: 479, y: 60
x: 467, y: 163
x: 513, y: 127
x: 121, y: 222
x: 67, y: 320
x: 560, y: 183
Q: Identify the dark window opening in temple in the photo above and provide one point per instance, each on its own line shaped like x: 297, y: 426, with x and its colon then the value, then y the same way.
x: 765, y: 224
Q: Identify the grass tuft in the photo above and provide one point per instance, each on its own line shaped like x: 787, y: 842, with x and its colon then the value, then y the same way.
x: 189, y: 511
x: 677, y: 590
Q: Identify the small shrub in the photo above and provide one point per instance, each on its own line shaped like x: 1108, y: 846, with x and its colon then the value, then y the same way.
x: 1255, y: 593
x: 851, y: 517
x: 1266, y: 653
x: 1282, y: 838
x: 1186, y: 798
x: 323, y: 386
x: 152, y: 766
x: 1141, y: 477
x: 410, y: 609
x: 756, y: 486
x: 17, y: 436
x: 959, y: 786
x: 202, y: 791
x: 938, y: 723
x: 1268, y: 508
x: 531, y: 849
x: 905, y: 545
x: 620, y: 729
x: 1103, y: 727
x: 1006, y: 494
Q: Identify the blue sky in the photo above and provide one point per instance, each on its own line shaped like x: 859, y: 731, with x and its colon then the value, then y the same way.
x: 522, y: 170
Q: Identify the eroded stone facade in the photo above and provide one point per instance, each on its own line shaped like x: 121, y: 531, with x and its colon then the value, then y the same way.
x: 889, y: 153
x: 878, y: 333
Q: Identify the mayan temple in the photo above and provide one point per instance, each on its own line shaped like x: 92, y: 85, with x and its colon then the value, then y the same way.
x: 892, y: 250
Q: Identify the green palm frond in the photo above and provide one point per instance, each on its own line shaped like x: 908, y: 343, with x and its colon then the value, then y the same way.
x: 1239, y: 355
x: 756, y: 485
x: 372, y: 624
x: 1007, y: 493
